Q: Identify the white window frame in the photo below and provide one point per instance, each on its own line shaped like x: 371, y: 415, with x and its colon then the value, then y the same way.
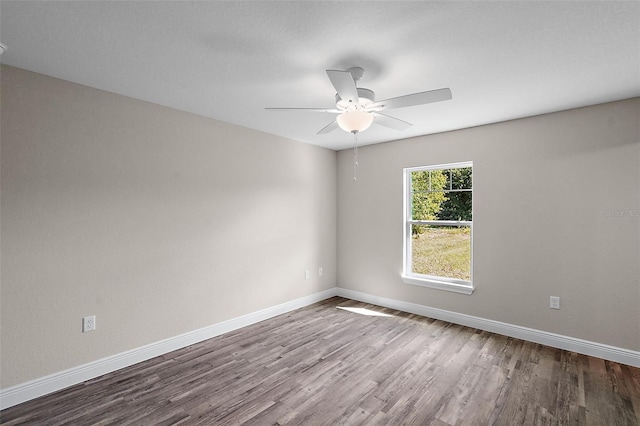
x: 431, y: 281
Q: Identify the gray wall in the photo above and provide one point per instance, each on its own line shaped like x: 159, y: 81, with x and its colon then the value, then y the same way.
x: 157, y: 221
x: 161, y: 222
x: 545, y: 189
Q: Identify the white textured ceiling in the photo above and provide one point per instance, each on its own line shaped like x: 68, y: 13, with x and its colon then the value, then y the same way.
x: 230, y: 60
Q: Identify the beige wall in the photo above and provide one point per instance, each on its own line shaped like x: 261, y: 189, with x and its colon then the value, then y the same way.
x: 157, y: 221
x: 543, y: 189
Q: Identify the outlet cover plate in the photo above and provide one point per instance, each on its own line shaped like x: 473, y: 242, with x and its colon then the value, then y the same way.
x: 88, y: 323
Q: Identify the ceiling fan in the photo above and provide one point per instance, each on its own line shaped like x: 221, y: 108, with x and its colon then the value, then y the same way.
x: 358, y: 109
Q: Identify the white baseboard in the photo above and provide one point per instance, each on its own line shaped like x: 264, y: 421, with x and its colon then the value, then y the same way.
x: 57, y: 381
x: 585, y: 347
x: 63, y: 379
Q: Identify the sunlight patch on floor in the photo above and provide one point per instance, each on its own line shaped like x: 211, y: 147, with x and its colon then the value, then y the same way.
x: 364, y: 311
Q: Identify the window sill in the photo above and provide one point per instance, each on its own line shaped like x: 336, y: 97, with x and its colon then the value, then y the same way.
x: 439, y: 285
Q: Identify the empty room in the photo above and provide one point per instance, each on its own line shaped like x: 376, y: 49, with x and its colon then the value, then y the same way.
x: 319, y: 212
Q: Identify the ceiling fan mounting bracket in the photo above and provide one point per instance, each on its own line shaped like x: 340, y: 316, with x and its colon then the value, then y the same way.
x: 356, y: 73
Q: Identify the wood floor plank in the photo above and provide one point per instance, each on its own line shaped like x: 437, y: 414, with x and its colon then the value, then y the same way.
x: 320, y: 365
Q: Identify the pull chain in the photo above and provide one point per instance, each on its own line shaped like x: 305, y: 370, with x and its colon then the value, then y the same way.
x: 355, y: 156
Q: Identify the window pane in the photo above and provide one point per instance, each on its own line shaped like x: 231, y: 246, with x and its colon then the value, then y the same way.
x: 461, y: 178
x: 446, y: 174
x: 456, y: 206
x: 439, y: 180
x: 420, y: 181
x: 425, y: 206
x: 443, y: 251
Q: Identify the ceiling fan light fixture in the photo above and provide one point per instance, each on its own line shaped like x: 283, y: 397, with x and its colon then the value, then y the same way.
x: 354, y: 121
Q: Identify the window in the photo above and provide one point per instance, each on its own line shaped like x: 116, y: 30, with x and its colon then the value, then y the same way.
x: 438, y: 227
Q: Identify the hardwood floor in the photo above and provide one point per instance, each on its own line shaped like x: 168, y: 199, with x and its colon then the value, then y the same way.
x: 321, y: 365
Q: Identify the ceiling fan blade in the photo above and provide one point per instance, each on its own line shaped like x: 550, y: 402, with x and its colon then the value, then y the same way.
x: 414, y: 99
x: 328, y: 128
x: 391, y: 122
x: 331, y: 110
x: 345, y: 85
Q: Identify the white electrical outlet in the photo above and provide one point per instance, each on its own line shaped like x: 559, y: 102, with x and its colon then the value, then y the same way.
x: 320, y: 271
x: 306, y: 275
x: 554, y: 302
x: 88, y: 323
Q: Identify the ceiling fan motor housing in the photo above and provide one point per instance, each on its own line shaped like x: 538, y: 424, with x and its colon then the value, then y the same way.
x: 365, y: 97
